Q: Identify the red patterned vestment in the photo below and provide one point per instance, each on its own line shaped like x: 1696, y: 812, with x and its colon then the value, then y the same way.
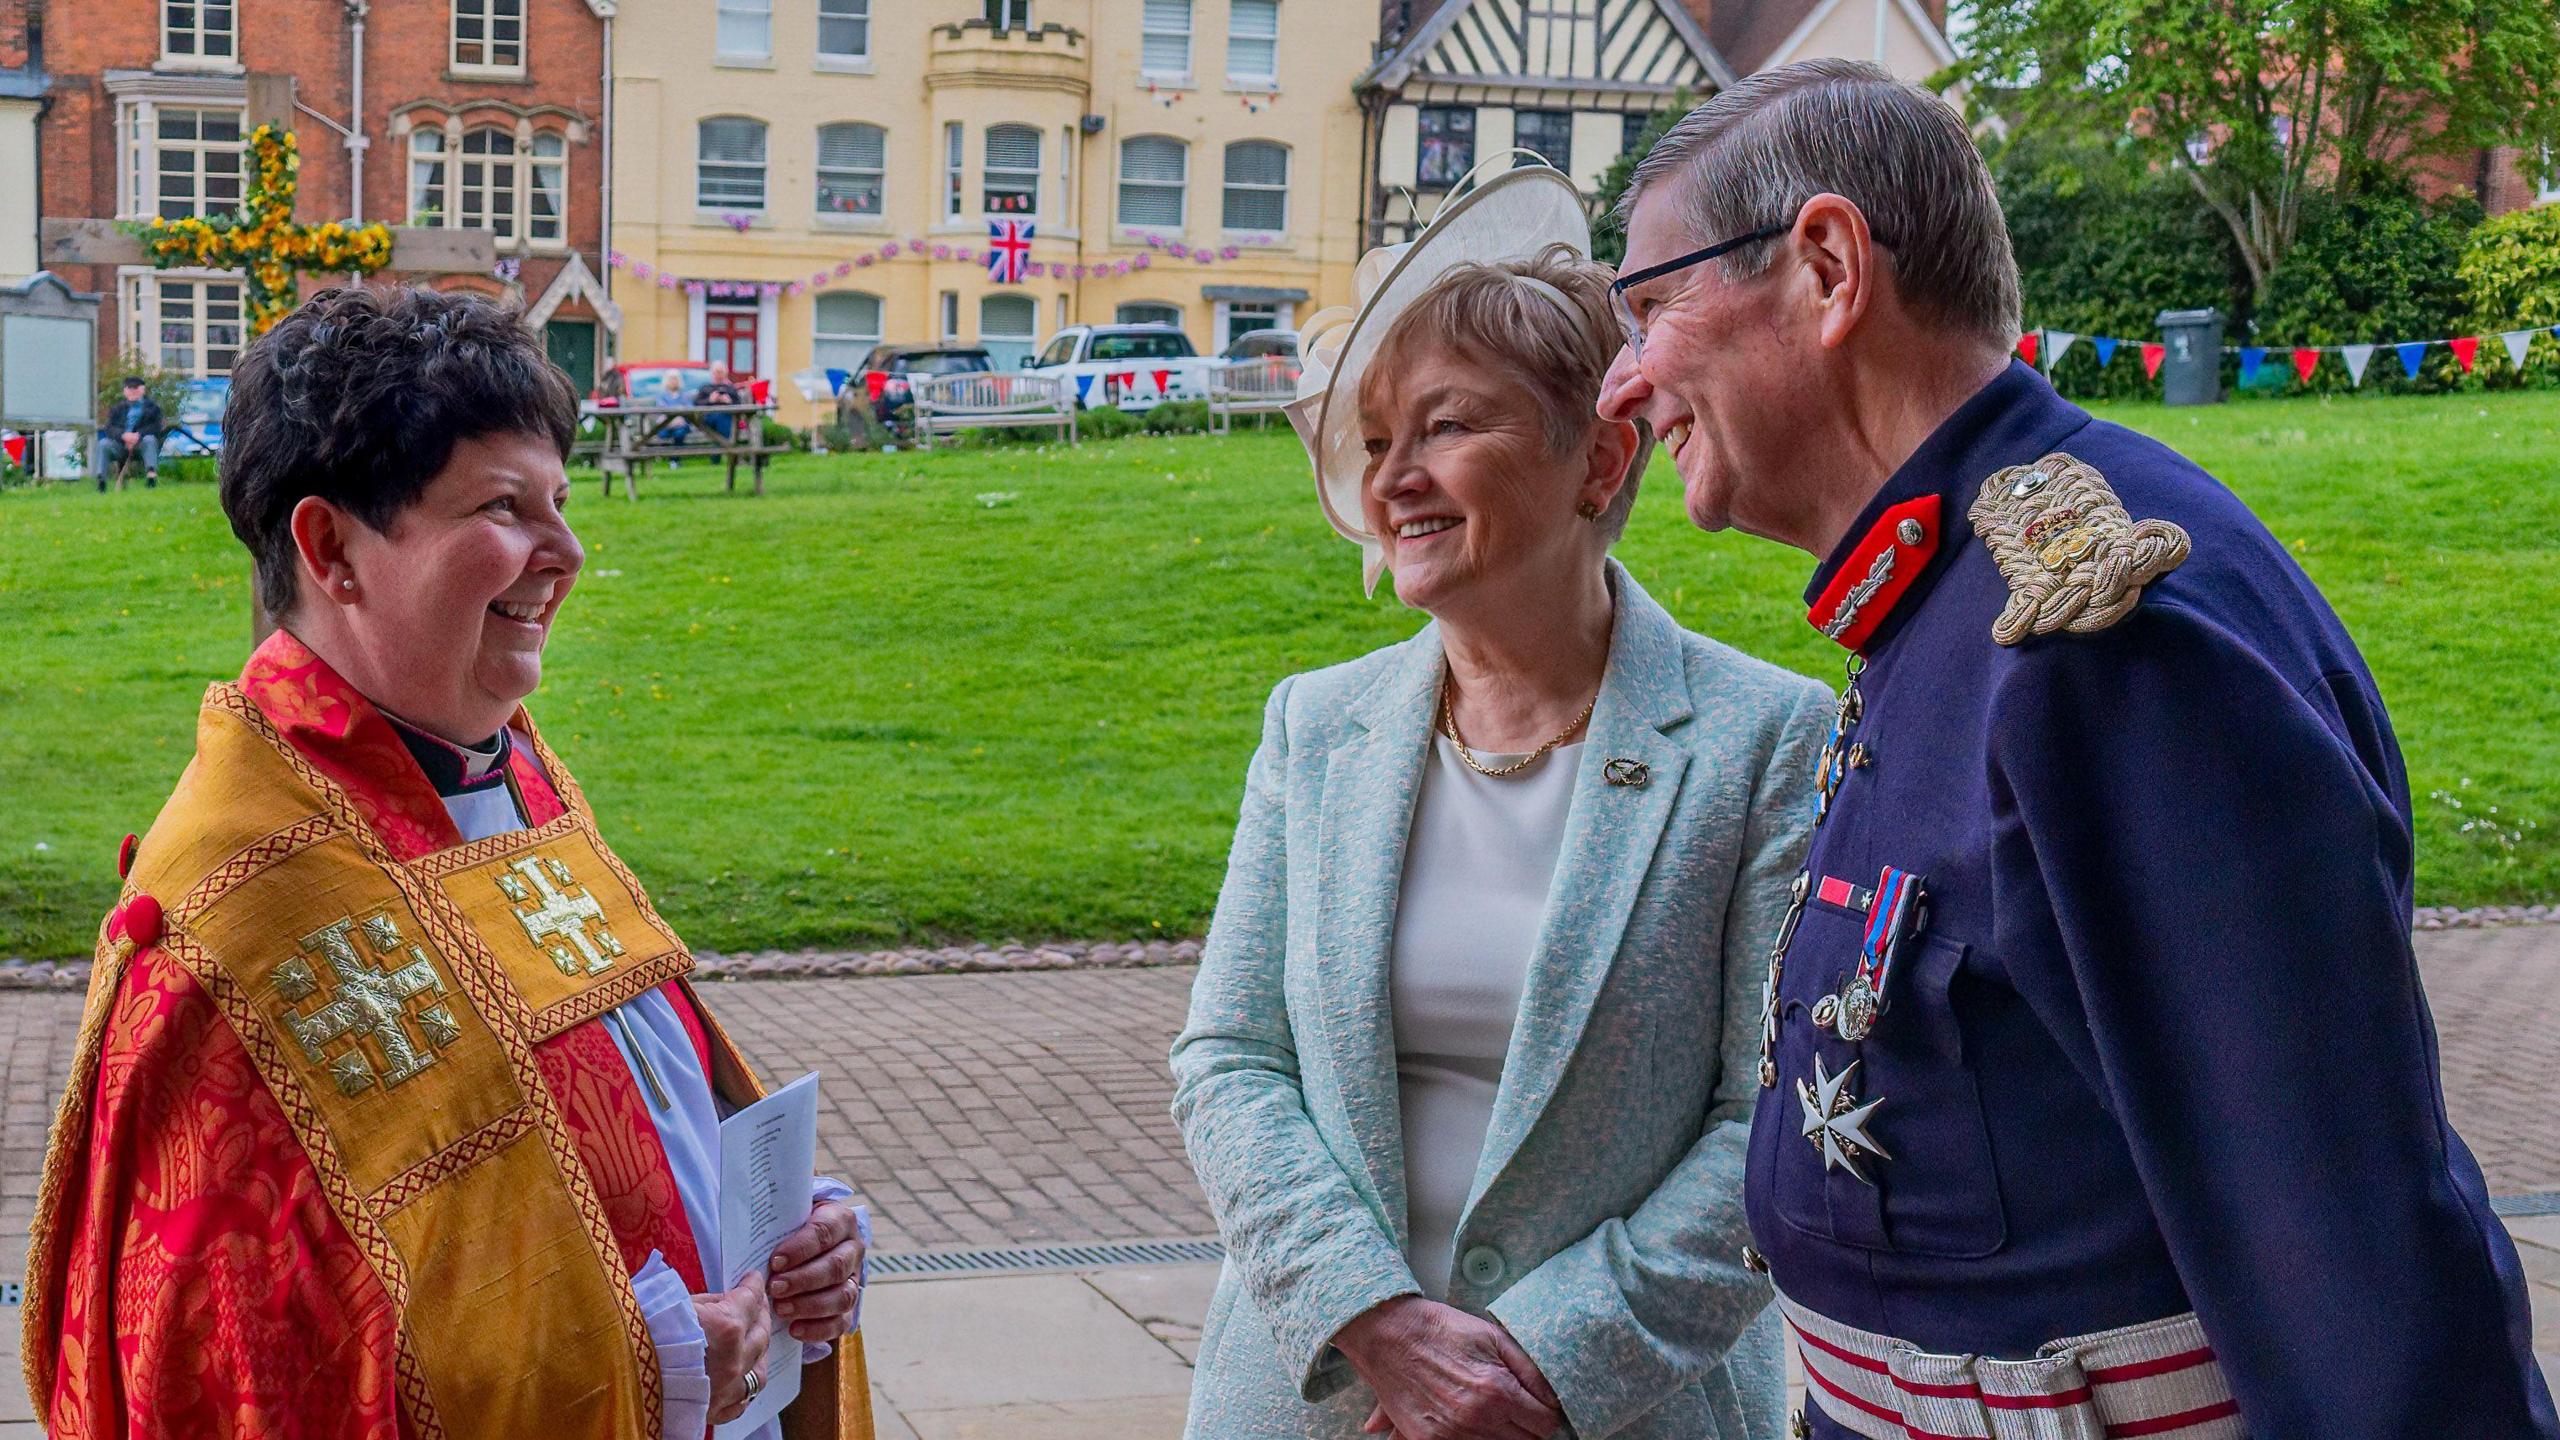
x: 205, y: 1287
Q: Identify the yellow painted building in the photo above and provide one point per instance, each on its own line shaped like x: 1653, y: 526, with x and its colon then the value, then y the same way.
x: 771, y: 157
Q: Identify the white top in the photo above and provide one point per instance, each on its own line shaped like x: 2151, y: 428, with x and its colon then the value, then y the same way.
x: 1476, y: 874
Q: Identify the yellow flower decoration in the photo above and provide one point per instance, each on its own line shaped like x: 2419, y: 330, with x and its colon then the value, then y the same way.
x: 261, y: 240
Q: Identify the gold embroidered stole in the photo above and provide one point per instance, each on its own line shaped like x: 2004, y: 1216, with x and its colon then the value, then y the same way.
x: 393, y: 1010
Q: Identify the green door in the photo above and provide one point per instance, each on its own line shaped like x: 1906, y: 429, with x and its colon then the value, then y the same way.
x: 572, y: 346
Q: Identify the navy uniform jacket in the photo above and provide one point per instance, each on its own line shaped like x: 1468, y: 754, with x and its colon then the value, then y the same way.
x: 2161, y: 1046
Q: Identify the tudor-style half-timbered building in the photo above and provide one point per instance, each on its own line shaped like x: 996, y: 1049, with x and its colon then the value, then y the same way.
x: 1571, y: 81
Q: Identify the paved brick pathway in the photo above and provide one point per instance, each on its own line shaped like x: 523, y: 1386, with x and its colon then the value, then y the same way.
x: 988, y: 1110
x: 2498, y: 1023
x: 1015, y: 1109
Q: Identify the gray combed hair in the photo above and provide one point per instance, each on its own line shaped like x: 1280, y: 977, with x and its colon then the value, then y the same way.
x: 1754, y: 154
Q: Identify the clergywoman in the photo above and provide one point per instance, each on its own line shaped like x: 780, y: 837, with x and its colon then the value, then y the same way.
x: 393, y: 1113
x: 1474, y: 1045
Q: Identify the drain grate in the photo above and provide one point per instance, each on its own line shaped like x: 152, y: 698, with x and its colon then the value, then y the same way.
x: 1049, y: 1257
x: 2518, y: 1207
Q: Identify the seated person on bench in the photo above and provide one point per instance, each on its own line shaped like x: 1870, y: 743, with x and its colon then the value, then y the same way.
x: 131, y: 429
x: 720, y: 390
x: 674, y: 432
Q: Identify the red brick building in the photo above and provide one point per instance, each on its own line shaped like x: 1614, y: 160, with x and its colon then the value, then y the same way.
x: 2499, y: 177
x: 477, y: 114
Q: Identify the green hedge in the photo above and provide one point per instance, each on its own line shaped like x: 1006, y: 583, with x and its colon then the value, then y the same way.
x: 2103, y: 248
x: 1107, y: 422
x: 2510, y: 274
x: 2375, y: 266
x: 1178, y: 417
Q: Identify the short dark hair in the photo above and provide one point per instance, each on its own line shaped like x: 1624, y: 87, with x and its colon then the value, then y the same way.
x: 359, y: 397
x: 131, y: 381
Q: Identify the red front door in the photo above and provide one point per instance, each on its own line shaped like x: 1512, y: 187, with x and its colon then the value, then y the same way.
x: 729, y: 337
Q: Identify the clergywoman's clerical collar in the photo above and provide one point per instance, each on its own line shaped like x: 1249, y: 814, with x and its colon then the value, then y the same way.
x: 454, y: 769
x: 473, y: 780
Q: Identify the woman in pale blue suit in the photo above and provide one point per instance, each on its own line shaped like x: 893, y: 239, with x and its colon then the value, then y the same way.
x: 1472, y: 1054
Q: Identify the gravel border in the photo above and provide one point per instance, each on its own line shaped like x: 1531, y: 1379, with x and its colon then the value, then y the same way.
x: 2480, y: 917
x: 18, y: 974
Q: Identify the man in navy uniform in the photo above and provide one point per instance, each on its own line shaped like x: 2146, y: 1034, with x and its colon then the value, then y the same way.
x: 2099, y: 1096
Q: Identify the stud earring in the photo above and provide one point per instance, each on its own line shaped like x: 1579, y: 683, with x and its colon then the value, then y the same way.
x: 346, y: 584
x: 1587, y: 510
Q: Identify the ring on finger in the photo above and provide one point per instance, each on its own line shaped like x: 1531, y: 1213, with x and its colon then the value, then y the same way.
x: 755, y: 1384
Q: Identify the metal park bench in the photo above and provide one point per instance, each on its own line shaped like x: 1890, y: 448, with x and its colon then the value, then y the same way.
x: 1250, y: 387
x: 949, y: 404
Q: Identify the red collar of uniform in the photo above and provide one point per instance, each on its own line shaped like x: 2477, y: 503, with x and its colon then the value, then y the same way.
x: 1878, y: 571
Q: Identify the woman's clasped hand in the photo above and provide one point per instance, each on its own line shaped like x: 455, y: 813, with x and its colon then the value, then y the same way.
x: 1442, y: 1374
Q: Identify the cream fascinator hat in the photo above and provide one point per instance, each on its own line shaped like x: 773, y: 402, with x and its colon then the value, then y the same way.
x: 1513, y: 216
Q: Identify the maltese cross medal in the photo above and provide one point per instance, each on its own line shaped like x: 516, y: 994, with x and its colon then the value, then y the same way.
x: 1835, y: 1122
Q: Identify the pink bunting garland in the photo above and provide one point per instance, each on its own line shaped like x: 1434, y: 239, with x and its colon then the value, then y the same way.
x: 919, y: 246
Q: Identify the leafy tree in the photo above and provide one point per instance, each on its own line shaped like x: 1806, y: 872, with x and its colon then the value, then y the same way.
x: 2510, y: 269
x: 2260, y: 102
x: 1608, y: 239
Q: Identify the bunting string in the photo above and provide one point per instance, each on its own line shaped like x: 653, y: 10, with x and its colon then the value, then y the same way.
x: 917, y: 247
x: 2047, y: 347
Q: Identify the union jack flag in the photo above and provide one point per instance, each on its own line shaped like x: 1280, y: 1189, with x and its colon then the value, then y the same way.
x: 1008, y: 250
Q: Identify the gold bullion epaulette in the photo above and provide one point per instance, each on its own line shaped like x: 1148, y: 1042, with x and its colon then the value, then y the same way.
x: 2074, y: 559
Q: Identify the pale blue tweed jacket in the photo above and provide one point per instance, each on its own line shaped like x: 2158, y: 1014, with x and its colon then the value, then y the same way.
x: 1607, y: 1209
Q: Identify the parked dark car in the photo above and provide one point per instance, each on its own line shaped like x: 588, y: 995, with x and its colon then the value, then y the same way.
x: 1257, y: 344
x: 880, y: 388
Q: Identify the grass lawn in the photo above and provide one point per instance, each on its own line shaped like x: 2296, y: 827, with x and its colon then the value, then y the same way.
x: 1010, y: 693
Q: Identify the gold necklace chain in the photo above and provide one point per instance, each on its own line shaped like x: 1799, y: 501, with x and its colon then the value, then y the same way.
x: 1449, y: 723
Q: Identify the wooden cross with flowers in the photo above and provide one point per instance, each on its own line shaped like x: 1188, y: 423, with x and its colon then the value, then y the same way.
x: 262, y: 240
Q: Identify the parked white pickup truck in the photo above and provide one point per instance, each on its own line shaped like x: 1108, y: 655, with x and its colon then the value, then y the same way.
x: 1133, y: 367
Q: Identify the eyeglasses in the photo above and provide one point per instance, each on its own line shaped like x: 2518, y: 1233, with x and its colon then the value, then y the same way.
x: 1633, y: 328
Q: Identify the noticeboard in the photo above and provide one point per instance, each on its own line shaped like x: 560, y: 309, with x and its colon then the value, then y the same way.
x: 48, y: 369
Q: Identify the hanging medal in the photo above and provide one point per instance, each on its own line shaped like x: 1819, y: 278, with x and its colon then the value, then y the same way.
x: 1893, y: 916
x: 1833, y: 766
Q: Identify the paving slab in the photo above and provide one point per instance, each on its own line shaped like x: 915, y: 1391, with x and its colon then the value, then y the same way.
x: 1168, y: 1303
x: 1013, y: 1340
x: 977, y: 1111
x: 1154, y: 1418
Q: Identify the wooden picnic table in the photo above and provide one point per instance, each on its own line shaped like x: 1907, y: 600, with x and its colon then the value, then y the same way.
x: 631, y: 438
